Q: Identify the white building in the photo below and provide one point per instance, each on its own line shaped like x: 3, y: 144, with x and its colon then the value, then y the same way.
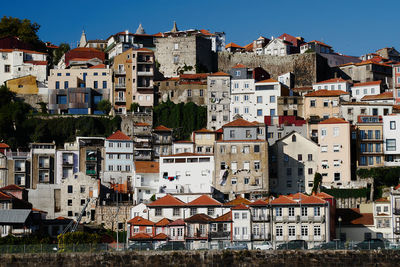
x: 241, y: 224
x: 186, y: 173
x: 385, y: 97
x: 333, y: 84
x: 67, y: 161
x: 278, y: 47
x: 266, y: 98
x: 146, y: 180
x: 359, y: 90
x: 182, y: 147
x: 243, y: 99
x: 15, y: 63
x: 351, y: 110
x: 391, y: 139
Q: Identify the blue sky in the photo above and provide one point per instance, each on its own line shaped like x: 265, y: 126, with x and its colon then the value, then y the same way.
x: 352, y: 27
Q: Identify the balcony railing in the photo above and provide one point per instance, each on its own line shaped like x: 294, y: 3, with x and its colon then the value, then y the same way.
x: 120, y: 71
x: 396, y: 230
x: 396, y: 211
x: 120, y: 85
x: 91, y: 158
x: 91, y: 172
x: 120, y: 99
x: 145, y: 73
x: 220, y: 234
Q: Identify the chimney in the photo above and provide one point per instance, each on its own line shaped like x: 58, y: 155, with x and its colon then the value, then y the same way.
x: 126, y: 31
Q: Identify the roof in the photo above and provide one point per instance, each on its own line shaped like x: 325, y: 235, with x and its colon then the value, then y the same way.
x: 141, y: 236
x: 384, y: 95
x: 12, y: 187
x: 397, y: 187
x: 326, y: 93
x: 233, y: 45
x: 204, y: 200
x: 204, y: 130
x: 138, y: 220
x: 227, y: 217
x: 249, y: 47
x: 36, y: 62
x: 240, y: 207
x: 333, y: 121
x: 312, y: 200
x: 186, y: 154
x: 367, y: 83
x: 160, y: 236
x: 4, y: 145
x: 199, y: 218
x: 239, y: 123
x: 143, y: 49
x: 14, y: 216
x: 239, y: 66
x: 178, y: 222
x: 382, y: 199
x: 163, y: 222
x: 259, y: 203
x: 283, y: 200
x: 141, y: 124
x: 118, y: 135
x: 167, y: 200
x: 194, y: 76
x: 5, y: 196
x: 147, y: 166
x: 99, y: 66
x: 323, y: 195
x: 353, y: 217
x: 238, y: 200
x: 162, y: 128
x: 20, y: 50
x: 219, y: 73
x: 334, y: 80
x: 268, y: 81
x: 205, y: 32
x: 320, y: 43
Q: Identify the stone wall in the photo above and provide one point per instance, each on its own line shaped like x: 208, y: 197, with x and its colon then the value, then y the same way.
x: 207, y: 258
x: 307, y: 68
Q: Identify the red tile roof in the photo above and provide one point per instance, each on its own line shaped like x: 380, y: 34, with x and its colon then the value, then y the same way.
x: 141, y: 124
x: 353, y: 217
x: 249, y: 47
x: 159, y: 34
x: 162, y: 128
x: 84, y: 53
x: 312, y: 200
x: 36, y: 62
x: 239, y: 123
x: 268, y: 81
x: 384, y: 95
x: 239, y: 66
x: 382, y: 199
x: 219, y: 73
x: 118, y: 135
x: 367, y: 83
x: 195, y: 76
x: 163, y: 222
x: 259, y: 202
x: 238, y: 200
x: 320, y: 43
x: 5, y: 196
x: 143, y: 49
x: 186, y: 154
x: 227, y: 217
x: 147, y: 166
x: 291, y: 39
x: 204, y: 200
x: 5, y: 50
x: 178, y: 222
x: 12, y: 187
x: 205, y: 32
x: 160, y: 236
x: 4, y: 145
x: 323, y: 195
x: 240, y: 207
x: 397, y: 187
x: 204, y: 130
x: 326, y: 93
x: 233, y: 45
x: 334, y: 80
x: 333, y: 121
x: 99, y: 66
x: 167, y: 200
x: 282, y: 200
x: 140, y: 236
x: 138, y: 220
x: 199, y: 218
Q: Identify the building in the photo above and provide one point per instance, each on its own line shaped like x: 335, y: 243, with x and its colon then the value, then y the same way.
x: 146, y: 180
x: 182, y: 147
x: 391, y: 139
x: 143, y: 141
x: 241, y: 161
x: 359, y: 90
x: 19, y: 168
x: 67, y: 161
x: 317, y: 47
x: 279, y: 47
x: 367, y: 71
x: 290, y: 106
x: 91, y: 156
x: 133, y: 79
x: 42, y: 163
x: 385, y: 97
x: 333, y: 84
x: 81, y: 57
x: 351, y: 110
x: 294, y: 162
x: 218, y: 100
x: 395, y: 208
x: 334, y: 162
x: 285, y: 126
x: 78, y: 91
x: 204, y: 141
x: 233, y: 48
x: 162, y: 141
x: 15, y: 63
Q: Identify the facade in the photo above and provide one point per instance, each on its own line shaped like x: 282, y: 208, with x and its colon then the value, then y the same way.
x: 43, y: 163
x: 19, y: 168
x: 91, y: 156
x: 333, y: 84
x: 391, y: 139
x: 278, y: 47
x: 143, y: 141
x: 359, y: 90
x: 368, y: 71
x: 133, y: 79
x: 67, y: 161
x: 218, y: 100
x: 395, y: 208
x: 162, y: 141
x: 78, y: 91
x: 182, y: 147
x: 241, y: 161
x: 294, y: 164
x: 204, y: 141
x: 334, y: 162
x: 290, y: 106
x: 146, y: 180
x: 350, y: 111
x: 81, y: 57
x: 323, y: 103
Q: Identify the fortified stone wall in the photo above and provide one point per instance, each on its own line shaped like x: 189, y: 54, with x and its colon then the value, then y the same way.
x: 307, y: 68
x: 207, y: 258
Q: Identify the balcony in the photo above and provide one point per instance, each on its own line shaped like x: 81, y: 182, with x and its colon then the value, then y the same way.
x: 120, y: 85
x: 145, y: 73
x: 120, y: 99
x: 120, y: 72
x: 396, y: 230
x: 261, y: 236
x: 68, y: 162
x: 396, y: 211
x: 91, y: 172
x: 143, y: 145
x: 144, y: 86
x: 220, y: 234
x: 261, y: 218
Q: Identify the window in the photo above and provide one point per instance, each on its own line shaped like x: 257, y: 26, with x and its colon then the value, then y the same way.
x: 256, y: 148
x: 299, y: 157
x: 246, y: 165
x: 256, y: 165
x: 289, y: 171
x: 279, y: 231
x: 234, y: 181
x: 233, y: 149
x: 236, y: 215
x: 335, y: 131
x: 304, y: 211
x: 304, y: 230
x: 272, y: 99
x: 292, y: 230
x: 248, y: 134
x: 232, y: 133
x: 392, y: 125
x: 336, y: 176
x: 237, y: 73
x: 210, y: 211
x: 278, y: 212
x: 310, y: 157
x: 104, y: 84
x: 246, y: 110
x: 193, y: 211
x: 310, y: 170
x: 176, y: 59
x: 317, y: 230
x: 69, y: 202
x: 390, y: 144
x: 324, y: 148
x: 326, y: 103
x: 244, y: 215
x: 323, y: 132
x: 291, y: 211
x: 259, y: 112
x: 336, y: 148
x: 317, y: 211
x: 272, y: 112
x: 259, y: 99
x: 312, y: 103
x: 176, y: 46
x: 83, y: 202
x: 7, y: 68
x: 177, y: 212
x: 189, y: 92
x: 70, y: 189
x: 158, y: 212
x: 246, y: 180
x: 300, y: 171
x: 246, y: 149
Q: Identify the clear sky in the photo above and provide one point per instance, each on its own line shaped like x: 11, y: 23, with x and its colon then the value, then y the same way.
x: 352, y: 27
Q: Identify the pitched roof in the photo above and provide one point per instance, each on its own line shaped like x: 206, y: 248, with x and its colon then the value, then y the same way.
x: 323, y: 195
x: 12, y: 187
x: 204, y: 130
x: 141, y: 236
x: 4, y: 145
x: 160, y: 236
x: 367, y: 83
x: 239, y: 123
x: 334, y: 80
x: 199, y: 218
x: 163, y: 222
x: 238, y: 200
x: 268, y: 81
x: 118, y: 135
x: 204, y: 200
x: 186, y: 154
x: 354, y: 217
x: 312, y: 200
x: 138, y: 220
x: 219, y: 73
x: 384, y: 95
x: 14, y: 216
x: 240, y: 207
x: 177, y: 222
x: 227, y: 217
x: 320, y: 43
x: 239, y: 66
x: 382, y: 199
x: 282, y: 200
x: 397, y: 187
x: 233, y: 45
x: 325, y: 93
x: 167, y: 200
x: 249, y: 47
x: 259, y: 202
x: 99, y: 66
x: 162, y: 128
x: 141, y: 124
x: 333, y: 121
x: 147, y: 166
x: 206, y: 32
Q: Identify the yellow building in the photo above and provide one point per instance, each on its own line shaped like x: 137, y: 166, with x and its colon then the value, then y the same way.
x: 25, y: 85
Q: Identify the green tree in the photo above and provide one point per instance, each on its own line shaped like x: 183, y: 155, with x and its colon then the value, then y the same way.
x: 134, y: 107
x: 317, y: 182
x: 105, y: 106
x: 59, y: 52
x: 43, y: 107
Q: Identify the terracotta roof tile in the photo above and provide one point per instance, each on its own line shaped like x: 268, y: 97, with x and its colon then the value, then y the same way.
x: 219, y: 73
x: 326, y: 93
x: 163, y: 222
x: 367, y: 83
x: 147, y: 166
x: 238, y: 200
x: 162, y: 128
x: 141, y: 124
x: 239, y: 66
x: 141, y: 236
x: 167, y: 200
x: 138, y: 220
x: 240, y: 207
x: 204, y: 200
x: 12, y: 187
x: 334, y: 80
x: 382, y: 199
x: 384, y: 95
x: 268, y: 81
x: 312, y: 200
x: 249, y: 47
x: 118, y: 135
x: 282, y: 200
x: 233, y: 45
x: 323, y: 195
x: 354, y: 217
x: 204, y: 130
x: 177, y: 222
x: 227, y: 217
x: 4, y: 145
x: 205, y: 32
x: 36, y: 62
x: 333, y: 121
x: 143, y: 49
x: 195, y: 76
x: 239, y: 123
x: 160, y: 236
x: 5, y: 196
x: 259, y: 203
x: 99, y: 66
x: 199, y: 218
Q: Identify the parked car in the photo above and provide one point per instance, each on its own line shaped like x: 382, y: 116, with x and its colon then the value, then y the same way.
x: 294, y: 244
x: 374, y: 243
x: 141, y: 246
x: 334, y: 244
x: 172, y: 246
x: 237, y: 246
x: 393, y: 246
x: 266, y: 245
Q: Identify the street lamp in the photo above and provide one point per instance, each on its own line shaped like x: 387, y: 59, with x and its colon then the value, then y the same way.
x: 340, y: 229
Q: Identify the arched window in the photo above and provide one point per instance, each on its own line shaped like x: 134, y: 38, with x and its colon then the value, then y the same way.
x: 293, y: 138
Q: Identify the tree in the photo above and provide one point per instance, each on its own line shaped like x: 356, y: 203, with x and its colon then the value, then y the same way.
x: 135, y: 107
x: 24, y: 30
x: 59, y: 52
x: 105, y: 106
x: 317, y: 182
x: 43, y: 107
